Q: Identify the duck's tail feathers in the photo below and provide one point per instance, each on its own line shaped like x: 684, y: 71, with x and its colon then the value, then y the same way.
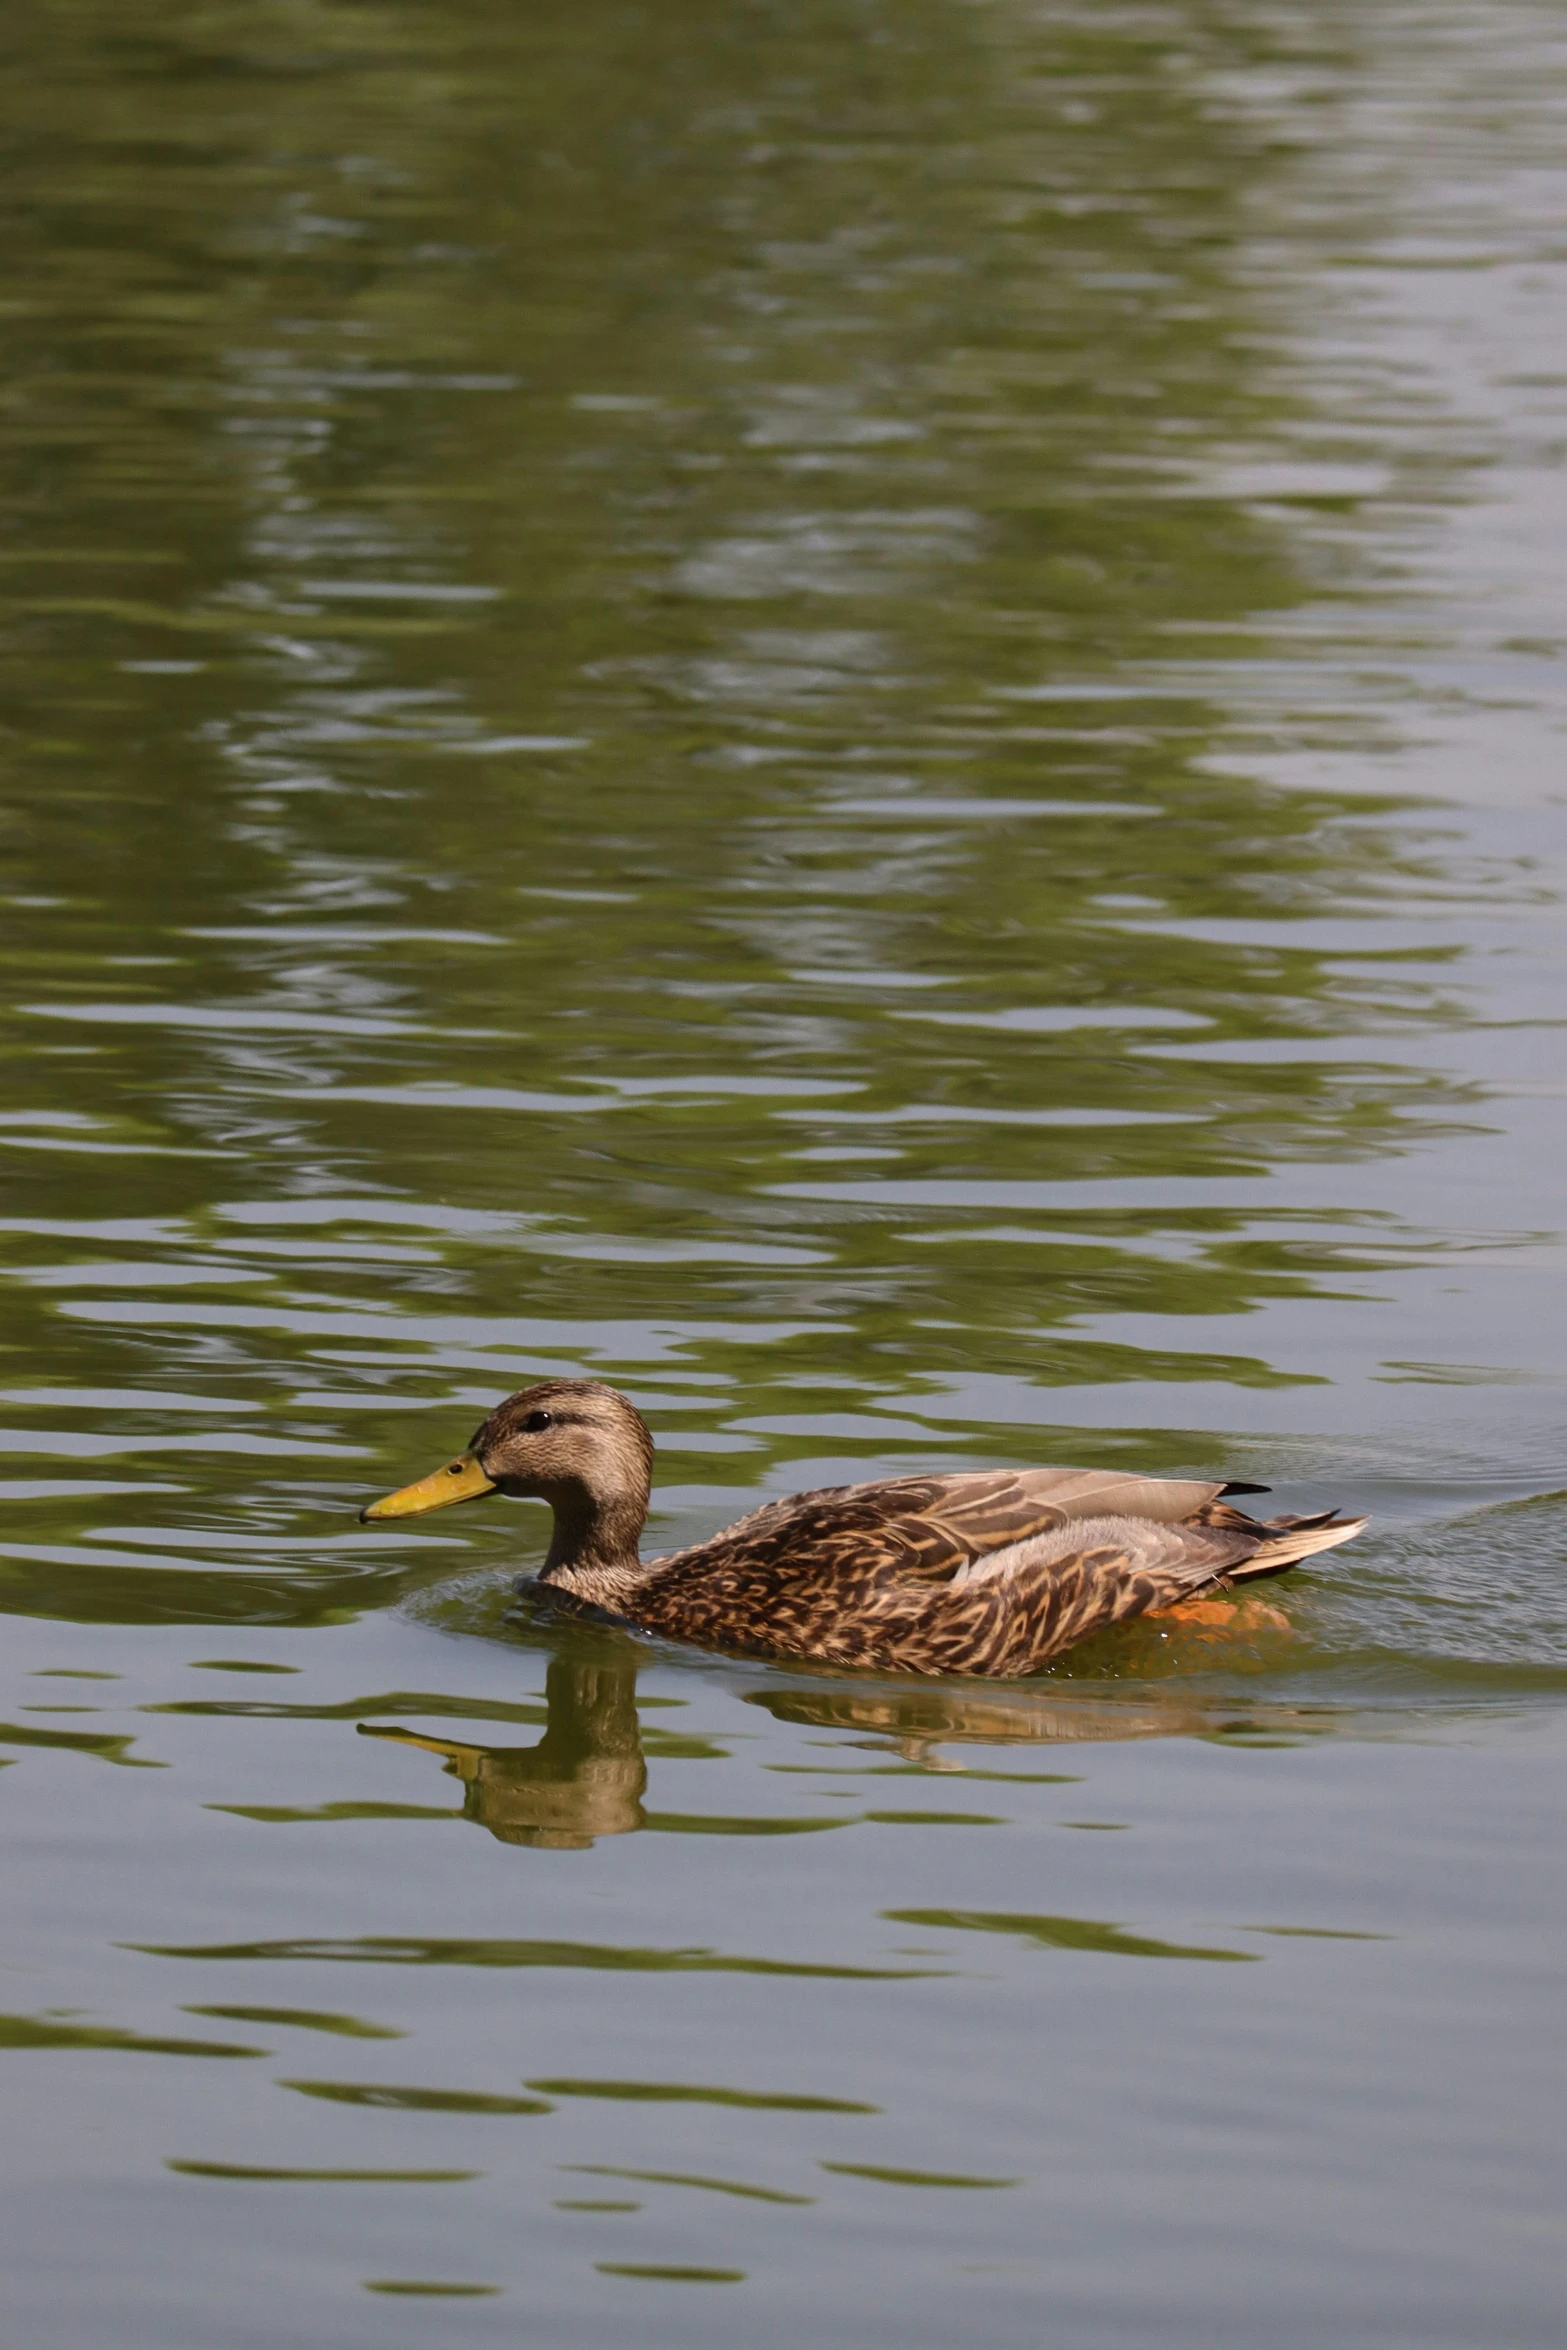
x: 1289, y: 1544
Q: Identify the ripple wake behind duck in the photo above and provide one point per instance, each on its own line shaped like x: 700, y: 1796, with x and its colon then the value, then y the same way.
x: 991, y: 1571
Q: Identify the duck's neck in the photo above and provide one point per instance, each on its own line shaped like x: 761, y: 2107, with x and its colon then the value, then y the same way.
x: 593, y: 1550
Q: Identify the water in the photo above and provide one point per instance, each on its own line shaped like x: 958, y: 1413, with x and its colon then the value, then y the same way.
x: 855, y: 715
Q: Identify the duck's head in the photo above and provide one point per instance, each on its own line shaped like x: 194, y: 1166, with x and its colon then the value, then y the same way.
x: 574, y: 1443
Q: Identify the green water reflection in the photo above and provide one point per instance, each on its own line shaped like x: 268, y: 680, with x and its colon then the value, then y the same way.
x: 676, y: 837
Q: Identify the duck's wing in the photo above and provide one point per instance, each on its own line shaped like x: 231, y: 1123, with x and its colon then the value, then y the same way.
x: 931, y: 1527
x: 1161, y: 1564
x: 1012, y: 1611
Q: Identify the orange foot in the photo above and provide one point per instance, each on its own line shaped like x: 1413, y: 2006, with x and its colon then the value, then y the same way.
x: 1244, y: 1615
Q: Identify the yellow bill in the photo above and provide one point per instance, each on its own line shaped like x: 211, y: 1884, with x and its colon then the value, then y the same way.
x: 460, y: 1480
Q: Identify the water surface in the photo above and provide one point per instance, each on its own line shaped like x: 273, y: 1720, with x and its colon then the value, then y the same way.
x: 854, y: 715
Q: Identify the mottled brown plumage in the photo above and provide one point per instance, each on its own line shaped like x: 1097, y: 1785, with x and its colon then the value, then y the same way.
x: 990, y: 1571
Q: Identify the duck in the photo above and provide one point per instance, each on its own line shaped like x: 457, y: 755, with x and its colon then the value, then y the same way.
x: 988, y: 1572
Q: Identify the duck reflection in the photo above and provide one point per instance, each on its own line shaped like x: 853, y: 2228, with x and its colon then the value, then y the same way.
x: 587, y: 1775
x: 918, y: 1722
x: 585, y: 1778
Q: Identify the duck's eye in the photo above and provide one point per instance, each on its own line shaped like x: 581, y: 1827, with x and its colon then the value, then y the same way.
x: 535, y: 1421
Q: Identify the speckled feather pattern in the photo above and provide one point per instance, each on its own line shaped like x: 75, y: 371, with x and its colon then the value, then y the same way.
x: 979, y: 1572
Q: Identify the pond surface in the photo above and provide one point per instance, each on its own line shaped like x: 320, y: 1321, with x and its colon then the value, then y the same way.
x: 854, y: 714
